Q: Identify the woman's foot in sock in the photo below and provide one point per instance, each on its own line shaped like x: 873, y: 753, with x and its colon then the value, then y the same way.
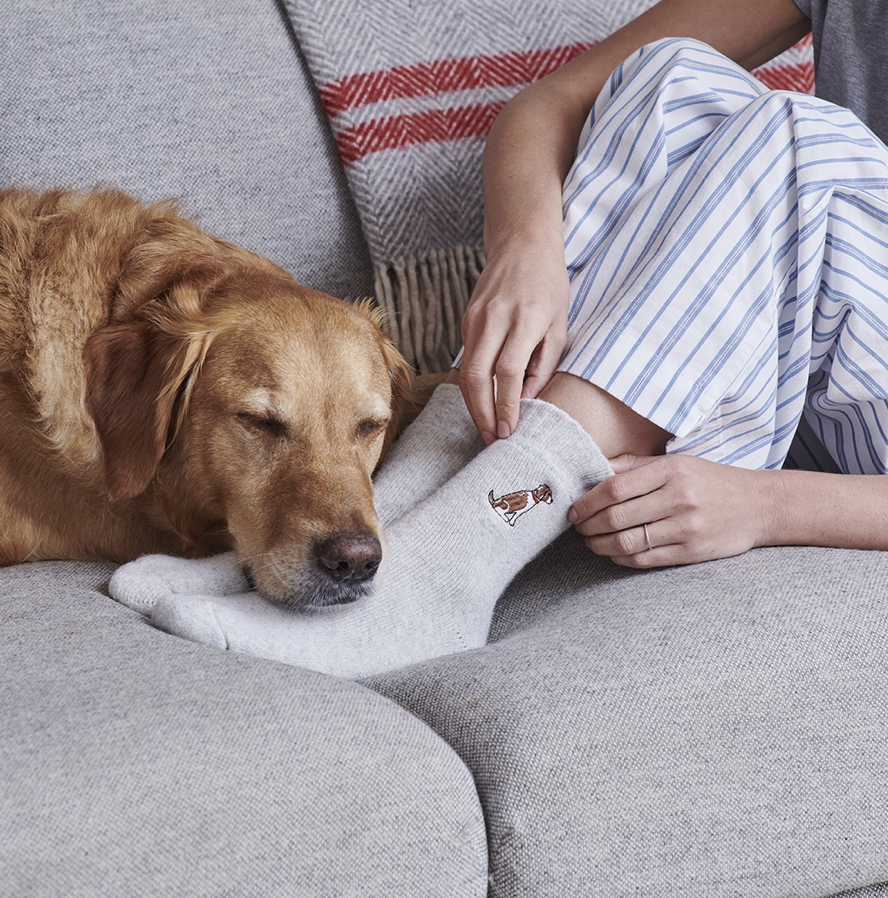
x: 448, y: 561
x: 439, y: 442
x: 140, y: 583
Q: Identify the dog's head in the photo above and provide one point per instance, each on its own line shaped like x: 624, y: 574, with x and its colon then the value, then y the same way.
x: 254, y: 412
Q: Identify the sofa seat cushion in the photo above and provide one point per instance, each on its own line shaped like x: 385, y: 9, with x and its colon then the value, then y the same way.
x: 135, y: 763
x: 710, y: 730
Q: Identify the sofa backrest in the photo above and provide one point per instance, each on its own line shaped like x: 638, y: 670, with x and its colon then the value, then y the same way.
x: 208, y: 100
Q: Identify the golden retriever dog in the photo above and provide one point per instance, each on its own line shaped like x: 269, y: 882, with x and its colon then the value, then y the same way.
x: 164, y: 391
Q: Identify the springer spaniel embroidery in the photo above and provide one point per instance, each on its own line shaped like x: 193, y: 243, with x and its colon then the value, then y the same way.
x: 511, y: 506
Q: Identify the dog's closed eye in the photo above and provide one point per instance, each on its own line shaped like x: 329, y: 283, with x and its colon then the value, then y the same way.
x: 369, y: 427
x: 264, y: 424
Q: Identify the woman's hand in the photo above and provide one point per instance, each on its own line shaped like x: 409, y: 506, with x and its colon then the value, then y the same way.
x: 514, y: 329
x: 694, y: 509
x: 515, y: 326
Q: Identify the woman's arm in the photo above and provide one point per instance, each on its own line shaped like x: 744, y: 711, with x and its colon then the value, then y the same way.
x: 516, y: 322
x: 697, y: 510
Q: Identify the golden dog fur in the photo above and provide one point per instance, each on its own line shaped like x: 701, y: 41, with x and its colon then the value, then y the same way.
x: 164, y: 391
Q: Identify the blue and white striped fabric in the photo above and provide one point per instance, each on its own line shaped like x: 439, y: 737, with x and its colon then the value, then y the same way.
x: 728, y: 254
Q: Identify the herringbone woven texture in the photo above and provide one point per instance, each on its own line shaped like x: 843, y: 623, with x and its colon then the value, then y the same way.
x: 411, y: 88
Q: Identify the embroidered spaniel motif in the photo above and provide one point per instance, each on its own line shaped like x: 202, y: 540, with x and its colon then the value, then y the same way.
x: 511, y: 506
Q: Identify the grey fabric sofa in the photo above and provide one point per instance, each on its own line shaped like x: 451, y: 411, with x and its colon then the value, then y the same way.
x: 719, y: 730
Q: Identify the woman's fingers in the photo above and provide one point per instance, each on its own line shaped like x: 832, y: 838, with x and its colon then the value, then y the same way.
x: 608, y: 507
x: 514, y: 330
x: 670, y: 510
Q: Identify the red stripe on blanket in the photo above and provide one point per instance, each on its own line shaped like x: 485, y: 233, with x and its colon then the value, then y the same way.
x: 444, y: 76
x: 463, y: 75
x: 430, y: 126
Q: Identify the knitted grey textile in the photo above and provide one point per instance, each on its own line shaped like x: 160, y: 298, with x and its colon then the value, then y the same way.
x: 876, y: 891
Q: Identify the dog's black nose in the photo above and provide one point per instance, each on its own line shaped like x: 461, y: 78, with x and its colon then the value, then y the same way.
x: 351, y: 556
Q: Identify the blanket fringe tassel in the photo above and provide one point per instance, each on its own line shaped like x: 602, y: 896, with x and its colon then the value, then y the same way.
x: 423, y: 299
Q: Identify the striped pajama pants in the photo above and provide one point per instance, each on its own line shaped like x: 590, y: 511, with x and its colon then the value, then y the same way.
x: 727, y: 248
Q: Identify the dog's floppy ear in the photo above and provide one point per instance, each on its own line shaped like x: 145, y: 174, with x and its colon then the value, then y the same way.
x: 138, y: 367
x: 135, y: 375
x: 401, y: 376
x: 400, y: 372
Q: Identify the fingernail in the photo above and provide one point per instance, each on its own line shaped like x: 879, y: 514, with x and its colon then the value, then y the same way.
x: 503, y: 431
x: 488, y: 438
x: 572, y: 516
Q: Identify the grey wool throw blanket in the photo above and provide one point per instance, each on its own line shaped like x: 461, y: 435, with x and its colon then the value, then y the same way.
x: 411, y: 88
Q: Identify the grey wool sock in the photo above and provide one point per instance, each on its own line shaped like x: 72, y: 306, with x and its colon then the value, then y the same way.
x: 449, y: 560
x: 140, y: 583
x: 440, y: 441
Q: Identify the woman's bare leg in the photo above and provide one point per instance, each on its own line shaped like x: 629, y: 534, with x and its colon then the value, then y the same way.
x: 612, y: 424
